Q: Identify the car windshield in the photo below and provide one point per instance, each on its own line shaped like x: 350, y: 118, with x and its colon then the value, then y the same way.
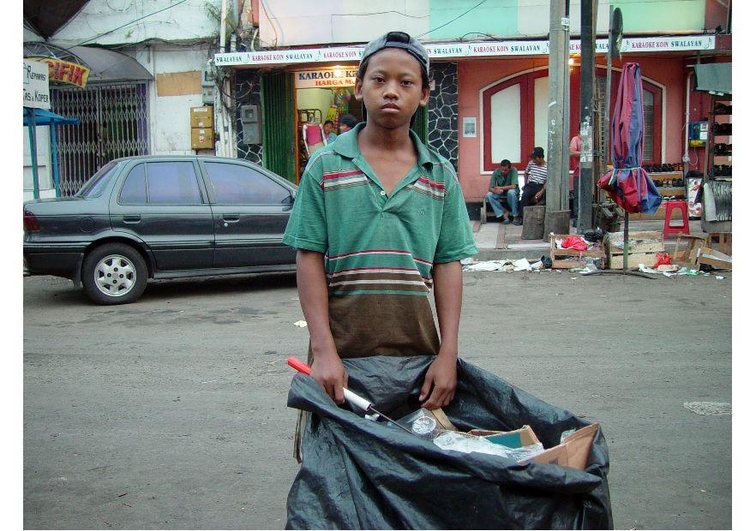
x: 94, y: 186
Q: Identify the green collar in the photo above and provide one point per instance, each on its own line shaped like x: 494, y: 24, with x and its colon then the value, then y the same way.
x: 346, y: 146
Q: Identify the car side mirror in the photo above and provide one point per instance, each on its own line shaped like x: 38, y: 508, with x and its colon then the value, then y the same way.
x: 289, y: 200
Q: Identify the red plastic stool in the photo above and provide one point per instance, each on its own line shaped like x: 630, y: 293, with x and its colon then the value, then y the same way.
x: 669, y: 228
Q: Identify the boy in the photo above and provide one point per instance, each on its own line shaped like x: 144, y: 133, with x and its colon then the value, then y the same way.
x: 379, y: 221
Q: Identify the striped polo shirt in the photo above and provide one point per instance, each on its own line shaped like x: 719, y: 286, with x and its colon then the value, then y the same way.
x: 536, y: 173
x: 379, y: 250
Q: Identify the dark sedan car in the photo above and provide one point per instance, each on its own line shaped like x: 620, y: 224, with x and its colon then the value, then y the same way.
x: 161, y: 217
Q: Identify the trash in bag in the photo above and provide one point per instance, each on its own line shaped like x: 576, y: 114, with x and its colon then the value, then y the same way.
x: 423, y: 423
x: 359, y: 474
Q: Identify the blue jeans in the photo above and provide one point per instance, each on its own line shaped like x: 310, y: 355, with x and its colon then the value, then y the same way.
x: 499, y: 203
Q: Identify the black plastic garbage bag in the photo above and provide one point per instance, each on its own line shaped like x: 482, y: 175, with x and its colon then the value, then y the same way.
x: 360, y: 474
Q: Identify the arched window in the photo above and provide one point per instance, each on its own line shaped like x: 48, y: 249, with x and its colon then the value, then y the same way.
x: 514, y: 116
x: 512, y: 120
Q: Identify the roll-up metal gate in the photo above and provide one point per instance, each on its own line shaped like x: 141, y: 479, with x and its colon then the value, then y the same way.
x: 114, y: 124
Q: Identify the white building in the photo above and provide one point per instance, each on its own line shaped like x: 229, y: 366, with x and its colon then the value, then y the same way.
x: 148, y: 66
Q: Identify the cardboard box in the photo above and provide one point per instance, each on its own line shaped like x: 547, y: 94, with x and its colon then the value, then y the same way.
x: 572, y: 452
x: 642, y: 248
x: 714, y: 258
x: 202, y: 117
x: 523, y: 436
x: 202, y: 138
x: 442, y: 419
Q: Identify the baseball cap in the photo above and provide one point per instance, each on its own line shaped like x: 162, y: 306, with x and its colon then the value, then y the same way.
x: 398, y: 39
x: 538, y: 152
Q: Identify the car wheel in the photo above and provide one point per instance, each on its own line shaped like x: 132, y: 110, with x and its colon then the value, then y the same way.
x: 114, y: 273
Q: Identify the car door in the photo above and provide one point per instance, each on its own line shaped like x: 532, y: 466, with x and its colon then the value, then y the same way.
x: 164, y: 204
x: 251, y: 209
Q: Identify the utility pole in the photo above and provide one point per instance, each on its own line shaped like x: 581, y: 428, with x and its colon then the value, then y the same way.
x: 587, y: 123
x: 557, y: 217
x: 224, y: 101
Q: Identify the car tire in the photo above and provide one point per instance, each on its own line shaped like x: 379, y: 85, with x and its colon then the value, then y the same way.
x: 114, y: 273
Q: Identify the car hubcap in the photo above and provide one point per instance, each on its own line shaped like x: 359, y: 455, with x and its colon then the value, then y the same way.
x: 115, y: 275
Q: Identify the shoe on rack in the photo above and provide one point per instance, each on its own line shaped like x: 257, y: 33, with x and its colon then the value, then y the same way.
x: 518, y: 221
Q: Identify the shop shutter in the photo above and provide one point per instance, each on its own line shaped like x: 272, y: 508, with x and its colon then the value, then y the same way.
x: 114, y: 123
x: 277, y: 110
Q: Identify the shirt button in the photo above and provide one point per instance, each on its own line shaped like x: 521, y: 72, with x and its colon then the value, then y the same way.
x: 382, y: 192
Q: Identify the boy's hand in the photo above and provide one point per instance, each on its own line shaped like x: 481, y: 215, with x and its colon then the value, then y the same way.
x: 440, y: 382
x: 329, y: 372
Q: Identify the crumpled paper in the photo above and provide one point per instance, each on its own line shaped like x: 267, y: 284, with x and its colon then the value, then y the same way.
x: 508, y: 266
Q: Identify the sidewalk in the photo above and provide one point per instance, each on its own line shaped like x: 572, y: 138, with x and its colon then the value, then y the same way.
x: 496, y: 241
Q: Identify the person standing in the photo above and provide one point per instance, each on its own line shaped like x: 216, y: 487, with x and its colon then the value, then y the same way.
x: 575, y: 164
x: 536, y: 179
x: 379, y: 222
x: 504, y: 192
x: 347, y: 123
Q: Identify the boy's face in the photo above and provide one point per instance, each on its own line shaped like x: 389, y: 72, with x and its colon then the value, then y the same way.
x: 391, y: 88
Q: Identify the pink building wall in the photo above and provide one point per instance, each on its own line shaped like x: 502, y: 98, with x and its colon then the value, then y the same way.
x: 473, y: 76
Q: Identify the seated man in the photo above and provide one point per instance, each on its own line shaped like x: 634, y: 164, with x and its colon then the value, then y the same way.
x: 536, y: 179
x: 504, y: 193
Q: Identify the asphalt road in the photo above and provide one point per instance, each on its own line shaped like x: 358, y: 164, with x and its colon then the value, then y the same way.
x: 171, y: 413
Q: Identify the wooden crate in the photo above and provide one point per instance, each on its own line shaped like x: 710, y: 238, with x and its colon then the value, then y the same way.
x: 642, y: 248
x: 714, y: 258
x: 567, y: 258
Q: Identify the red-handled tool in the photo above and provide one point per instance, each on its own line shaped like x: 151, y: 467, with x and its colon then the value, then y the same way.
x: 351, y: 397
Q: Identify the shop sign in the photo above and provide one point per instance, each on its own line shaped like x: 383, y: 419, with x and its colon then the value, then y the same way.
x: 475, y: 49
x: 325, y: 78
x: 668, y: 44
x: 600, y: 46
x: 67, y: 72
x: 270, y: 57
x: 36, y: 85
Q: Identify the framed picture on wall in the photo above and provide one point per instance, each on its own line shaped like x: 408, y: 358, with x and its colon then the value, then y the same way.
x: 470, y: 126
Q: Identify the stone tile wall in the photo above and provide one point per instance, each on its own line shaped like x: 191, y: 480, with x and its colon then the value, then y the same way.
x: 442, y: 112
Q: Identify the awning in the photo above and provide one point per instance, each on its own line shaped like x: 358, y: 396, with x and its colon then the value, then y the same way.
x: 714, y: 77
x: 43, y: 117
x: 107, y: 66
x: 32, y: 118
